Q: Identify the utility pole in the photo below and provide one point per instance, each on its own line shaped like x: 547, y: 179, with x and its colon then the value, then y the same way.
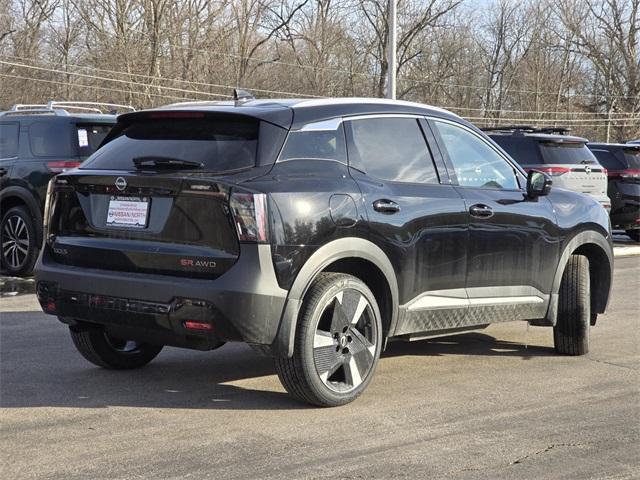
x: 391, y: 51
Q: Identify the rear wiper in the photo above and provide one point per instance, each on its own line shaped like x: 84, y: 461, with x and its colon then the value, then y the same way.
x: 165, y: 163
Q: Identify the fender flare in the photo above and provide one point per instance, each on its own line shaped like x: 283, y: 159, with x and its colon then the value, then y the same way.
x: 27, y: 197
x: 343, y: 248
x: 588, y: 237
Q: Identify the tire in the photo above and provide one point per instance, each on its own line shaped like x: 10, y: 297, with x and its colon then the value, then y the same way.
x: 19, y: 249
x: 634, y: 235
x: 337, y: 345
x: 109, y: 352
x: 571, y: 333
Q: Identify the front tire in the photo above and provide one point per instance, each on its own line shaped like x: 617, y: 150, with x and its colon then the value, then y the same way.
x: 571, y: 333
x: 113, y: 353
x: 337, y: 344
x: 19, y: 248
x: 634, y: 235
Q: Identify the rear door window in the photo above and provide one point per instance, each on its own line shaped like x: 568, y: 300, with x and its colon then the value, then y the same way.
x: 221, y: 143
x: 632, y: 158
x: 51, y: 139
x: 9, y: 135
x: 555, y: 153
x: 392, y: 149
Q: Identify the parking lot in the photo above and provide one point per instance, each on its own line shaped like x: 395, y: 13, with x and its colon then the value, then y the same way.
x: 494, y: 404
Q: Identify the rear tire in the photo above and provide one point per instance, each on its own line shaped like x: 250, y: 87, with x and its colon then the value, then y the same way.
x: 18, y: 246
x: 109, y: 352
x: 634, y: 235
x: 337, y: 344
x: 571, y: 333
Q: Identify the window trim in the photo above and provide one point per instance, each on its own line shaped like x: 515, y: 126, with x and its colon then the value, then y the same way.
x: 348, y: 131
x: 520, y: 179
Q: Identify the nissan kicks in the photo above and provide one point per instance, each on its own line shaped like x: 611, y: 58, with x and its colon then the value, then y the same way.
x: 315, y: 231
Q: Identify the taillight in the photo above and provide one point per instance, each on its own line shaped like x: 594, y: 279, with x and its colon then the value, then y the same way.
x: 554, y: 171
x: 624, y: 173
x: 47, y: 205
x: 59, y: 167
x: 249, y: 212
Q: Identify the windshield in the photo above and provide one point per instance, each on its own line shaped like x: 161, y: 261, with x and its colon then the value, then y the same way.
x: 566, y: 153
x: 220, y: 144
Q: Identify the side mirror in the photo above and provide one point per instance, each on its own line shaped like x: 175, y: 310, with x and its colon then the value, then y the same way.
x: 538, y: 184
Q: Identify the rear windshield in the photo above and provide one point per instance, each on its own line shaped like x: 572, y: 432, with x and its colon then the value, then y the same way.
x: 221, y: 144
x: 90, y: 137
x: 566, y: 153
x: 522, y: 149
x: 632, y: 157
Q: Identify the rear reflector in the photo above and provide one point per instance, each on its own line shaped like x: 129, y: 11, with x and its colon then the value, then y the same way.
x: 59, y: 167
x: 201, y: 326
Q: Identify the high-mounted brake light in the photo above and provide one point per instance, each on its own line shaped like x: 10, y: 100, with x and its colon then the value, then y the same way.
x: 249, y: 212
x: 155, y: 115
x: 59, y: 167
x: 555, y: 171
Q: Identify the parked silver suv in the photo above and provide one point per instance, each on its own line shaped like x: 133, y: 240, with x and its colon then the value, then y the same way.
x: 567, y: 159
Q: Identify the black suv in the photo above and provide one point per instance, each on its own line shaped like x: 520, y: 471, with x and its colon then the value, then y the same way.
x: 37, y: 142
x: 315, y: 231
x: 622, y: 162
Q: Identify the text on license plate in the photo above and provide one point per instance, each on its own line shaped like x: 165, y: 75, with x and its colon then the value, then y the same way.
x: 128, y: 212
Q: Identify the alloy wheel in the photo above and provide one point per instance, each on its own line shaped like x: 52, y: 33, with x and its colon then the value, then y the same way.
x: 15, y: 241
x: 344, y: 343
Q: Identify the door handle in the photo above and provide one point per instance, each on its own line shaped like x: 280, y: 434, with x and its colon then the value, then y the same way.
x: 481, y: 211
x: 386, y: 206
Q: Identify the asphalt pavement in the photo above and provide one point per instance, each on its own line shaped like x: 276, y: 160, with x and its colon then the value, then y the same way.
x: 493, y: 404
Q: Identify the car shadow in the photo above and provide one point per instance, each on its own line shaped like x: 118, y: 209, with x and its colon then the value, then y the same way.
x: 50, y: 373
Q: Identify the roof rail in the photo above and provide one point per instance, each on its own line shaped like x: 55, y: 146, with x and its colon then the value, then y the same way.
x: 55, y: 107
x: 527, y: 129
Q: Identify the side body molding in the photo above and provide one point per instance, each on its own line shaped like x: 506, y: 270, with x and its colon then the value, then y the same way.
x: 339, y: 249
x: 590, y: 243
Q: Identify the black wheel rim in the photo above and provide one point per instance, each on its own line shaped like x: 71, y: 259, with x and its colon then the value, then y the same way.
x: 122, y: 346
x: 345, y: 341
x: 15, y: 241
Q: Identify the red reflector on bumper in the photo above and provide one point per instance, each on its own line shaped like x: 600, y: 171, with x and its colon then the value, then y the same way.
x: 50, y: 307
x: 191, y: 325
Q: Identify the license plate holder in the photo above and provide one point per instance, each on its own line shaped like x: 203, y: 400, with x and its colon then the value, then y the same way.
x: 128, y: 212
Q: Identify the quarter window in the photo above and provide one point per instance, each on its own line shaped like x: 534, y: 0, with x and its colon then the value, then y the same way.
x: 315, y: 144
x: 392, y: 149
x: 476, y: 164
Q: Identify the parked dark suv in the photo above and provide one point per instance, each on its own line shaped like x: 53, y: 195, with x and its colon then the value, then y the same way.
x: 564, y: 157
x: 622, y: 162
x: 36, y: 142
x: 315, y: 231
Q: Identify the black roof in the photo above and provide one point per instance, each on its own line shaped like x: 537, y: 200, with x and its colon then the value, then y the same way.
x: 294, y: 113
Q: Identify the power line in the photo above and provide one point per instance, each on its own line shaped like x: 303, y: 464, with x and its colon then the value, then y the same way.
x: 95, y: 87
x: 500, y: 110
x: 128, y: 82
x: 556, y: 120
x: 165, y: 79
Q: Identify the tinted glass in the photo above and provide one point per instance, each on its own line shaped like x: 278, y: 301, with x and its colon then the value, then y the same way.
x: 523, y: 150
x: 221, y: 144
x: 554, y: 153
x: 608, y: 160
x: 9, y: 139
x: 321, y: 144
x: 476, y: 164
x: 90, y: 137
x: 51, y: 139
x: 392, y: 149
x: 632, y: 158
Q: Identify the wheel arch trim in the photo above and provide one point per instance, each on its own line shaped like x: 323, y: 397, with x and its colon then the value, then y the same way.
x: 340, y: 249
x: 583, y: 241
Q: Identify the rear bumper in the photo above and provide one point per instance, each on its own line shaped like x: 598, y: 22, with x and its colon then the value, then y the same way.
x: 625, y: 214
x: 243, y: 304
